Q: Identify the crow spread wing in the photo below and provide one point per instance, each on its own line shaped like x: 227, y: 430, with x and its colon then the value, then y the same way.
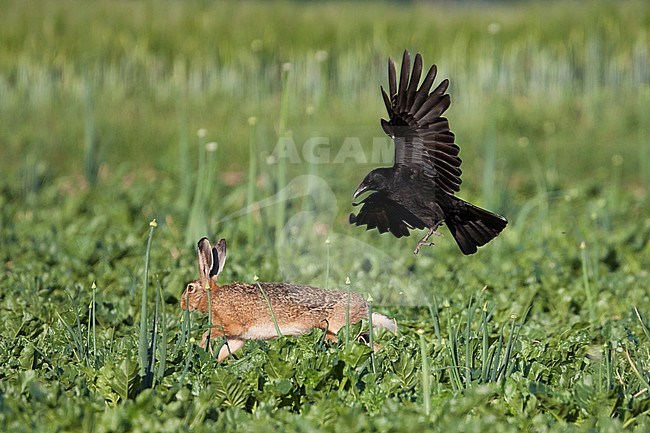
x: 422, y: 137
x: 380, y: 212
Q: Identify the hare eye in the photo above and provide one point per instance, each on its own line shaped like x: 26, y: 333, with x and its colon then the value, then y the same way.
x: 190, y: 288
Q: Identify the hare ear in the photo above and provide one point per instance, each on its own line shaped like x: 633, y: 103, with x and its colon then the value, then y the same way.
x: 218, y: 257
x: 206, y: 261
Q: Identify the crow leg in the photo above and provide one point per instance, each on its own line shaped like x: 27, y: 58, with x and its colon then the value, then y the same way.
x: 423, y: 242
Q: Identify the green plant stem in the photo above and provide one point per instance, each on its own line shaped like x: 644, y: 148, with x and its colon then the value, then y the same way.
x: 142, y: 343
x: 468, y: 346
x: 347, y: 312
x: 94, y: 323
x: 252, y: 179
x: 426, y: 387
x: 268, y: 304
x: 484, y: 341
x: 327, y: 264
x: 163, y: 339
x: 196, y: 219
x: 282, y: 161
x: 150, y: 378
x: 489, y: 169
x: 457, y: 382
x: 585, y: 278
x: 506, y: 358
x: 184, y: 170
x: 435, y: 316
x: 371, y: 338
x: 91, y: 159
x: 209, y: 291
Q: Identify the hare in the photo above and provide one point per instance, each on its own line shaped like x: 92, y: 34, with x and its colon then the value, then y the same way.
x: 242, y: 311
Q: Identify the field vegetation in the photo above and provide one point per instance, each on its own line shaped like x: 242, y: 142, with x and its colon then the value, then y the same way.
x: 128, y: 130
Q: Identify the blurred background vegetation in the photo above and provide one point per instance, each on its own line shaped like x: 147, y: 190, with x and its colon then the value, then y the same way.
x: 565, y: 85
x: 550, y: 104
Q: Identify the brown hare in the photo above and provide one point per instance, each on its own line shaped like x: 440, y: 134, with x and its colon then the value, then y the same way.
x: 241, y: 312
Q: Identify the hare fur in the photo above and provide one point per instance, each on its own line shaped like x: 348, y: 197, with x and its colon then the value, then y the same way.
x: 240, y: 311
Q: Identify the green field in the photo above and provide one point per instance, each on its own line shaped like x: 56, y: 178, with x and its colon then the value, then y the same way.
x: 106, y: 108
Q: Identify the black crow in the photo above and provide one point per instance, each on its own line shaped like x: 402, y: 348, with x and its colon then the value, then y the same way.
x: 417, y: 192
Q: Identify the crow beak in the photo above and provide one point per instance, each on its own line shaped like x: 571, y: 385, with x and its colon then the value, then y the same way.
x: 362, y: 188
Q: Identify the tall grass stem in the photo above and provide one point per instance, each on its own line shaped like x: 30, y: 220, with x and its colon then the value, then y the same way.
x: 435, y: 316
x: 485, y: 348
x: 149, y: 377
x: 271, y: 312
x: 347, y: 311
x: 327, y: 263
x: 426, y: 374
x: 371, y: 336
x: 468, y: 340
x: 506, y: 357
x: 163, y: 338
x: 142, y: 343
x: 587, y: 285
x: 252, y: 178
x: 93, y: 323
x: 455, y: 374
x: 196, y: 226
x: 209, y: 292
x: 281, y: 183
x: 91, y: 158
x: 489, y: 169
x: 184, y: 170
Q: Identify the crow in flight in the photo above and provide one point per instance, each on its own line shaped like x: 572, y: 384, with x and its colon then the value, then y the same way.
x: 417, y: 192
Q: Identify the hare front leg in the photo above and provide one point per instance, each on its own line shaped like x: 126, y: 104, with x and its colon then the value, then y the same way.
x: 214, y: 334
x: 229, y: 347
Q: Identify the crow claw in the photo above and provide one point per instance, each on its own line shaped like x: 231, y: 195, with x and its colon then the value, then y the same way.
x: 423, y: 242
